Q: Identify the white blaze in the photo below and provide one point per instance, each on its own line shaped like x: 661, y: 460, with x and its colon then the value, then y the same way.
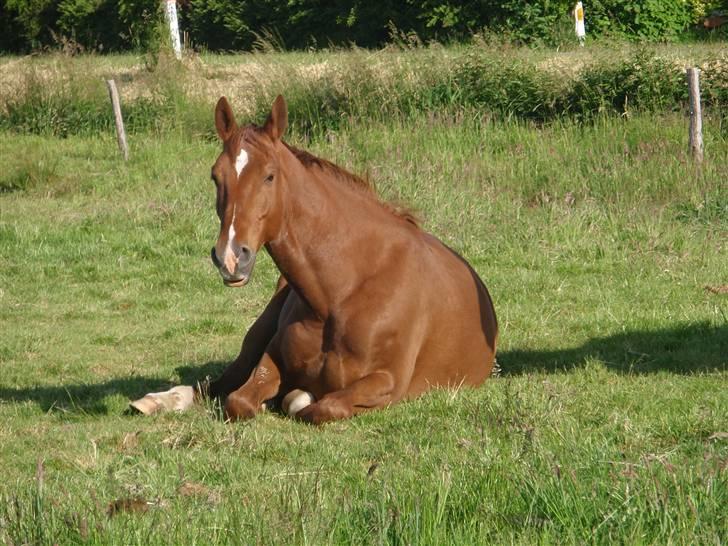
x: 229, y: 259
x: 241, y: 161
x: 231, y: 231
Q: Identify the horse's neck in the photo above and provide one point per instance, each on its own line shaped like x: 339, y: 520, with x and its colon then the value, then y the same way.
x: 315, y: 250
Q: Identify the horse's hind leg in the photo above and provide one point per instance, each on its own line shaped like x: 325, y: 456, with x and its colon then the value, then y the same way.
x: 254, y: 345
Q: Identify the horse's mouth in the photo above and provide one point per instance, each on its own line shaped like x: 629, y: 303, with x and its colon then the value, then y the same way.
x: 236, y: 283
x: 240, y: 276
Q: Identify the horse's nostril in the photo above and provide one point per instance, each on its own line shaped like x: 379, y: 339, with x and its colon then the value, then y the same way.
x: 213, y: 257
x: 245, y: 254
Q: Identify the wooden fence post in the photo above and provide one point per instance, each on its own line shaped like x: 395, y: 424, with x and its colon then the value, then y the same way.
x: 696, y: 115
x: 120, y: 133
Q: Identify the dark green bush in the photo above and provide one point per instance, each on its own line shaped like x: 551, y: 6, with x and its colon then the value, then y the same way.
x: 643, y: 82
x: 512, y: 89
x: 104, y: 25
x: 238, y: 24
x: 648, y: 19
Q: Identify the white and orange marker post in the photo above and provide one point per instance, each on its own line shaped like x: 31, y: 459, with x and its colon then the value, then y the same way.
x: 170, y: 13
x: 579, y: 20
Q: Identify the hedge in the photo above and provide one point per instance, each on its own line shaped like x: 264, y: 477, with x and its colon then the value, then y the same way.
x: 119, y: 25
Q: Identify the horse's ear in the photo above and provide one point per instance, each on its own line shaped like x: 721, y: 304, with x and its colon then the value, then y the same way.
x: 224, y: 119
x: 277, y: 121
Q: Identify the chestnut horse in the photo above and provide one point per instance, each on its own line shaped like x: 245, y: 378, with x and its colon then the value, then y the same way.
x: 370, y: 308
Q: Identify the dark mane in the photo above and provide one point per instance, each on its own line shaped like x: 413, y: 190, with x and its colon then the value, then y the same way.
x: 309, y: 160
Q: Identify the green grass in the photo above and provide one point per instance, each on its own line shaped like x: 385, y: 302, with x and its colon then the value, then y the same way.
x: 597, y: 242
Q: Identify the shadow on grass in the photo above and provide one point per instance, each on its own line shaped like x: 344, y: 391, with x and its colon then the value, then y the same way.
x: 90, y: 398
x: 684, y: 349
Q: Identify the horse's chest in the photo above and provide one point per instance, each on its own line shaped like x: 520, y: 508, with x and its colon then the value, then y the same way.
x: 311, y: 360
x: 301, y: 348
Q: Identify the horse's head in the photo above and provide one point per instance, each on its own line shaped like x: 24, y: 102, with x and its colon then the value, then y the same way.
x: 248, y: 195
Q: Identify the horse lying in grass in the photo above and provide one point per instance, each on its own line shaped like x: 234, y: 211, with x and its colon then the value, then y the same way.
x: 370, y: 309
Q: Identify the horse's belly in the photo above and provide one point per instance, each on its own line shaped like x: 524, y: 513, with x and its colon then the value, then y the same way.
x: 459, y: 345
x: 458, y: 350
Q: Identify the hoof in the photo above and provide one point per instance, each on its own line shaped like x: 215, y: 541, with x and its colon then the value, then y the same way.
x: 178, y: 398
x: 295, y: 401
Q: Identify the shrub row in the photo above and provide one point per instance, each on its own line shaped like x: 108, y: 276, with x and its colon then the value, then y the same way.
x: 488, y: 83
x: 238, y: 24
x: 101, y: 25
x: 354, y: 87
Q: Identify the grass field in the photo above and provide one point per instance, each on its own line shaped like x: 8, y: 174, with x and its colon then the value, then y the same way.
x: 605, y: 250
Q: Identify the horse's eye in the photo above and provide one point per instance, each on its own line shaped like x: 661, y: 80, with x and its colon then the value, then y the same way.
x: 269, y: 178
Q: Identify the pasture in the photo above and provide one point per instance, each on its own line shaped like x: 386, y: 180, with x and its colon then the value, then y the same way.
x: 606, y: 253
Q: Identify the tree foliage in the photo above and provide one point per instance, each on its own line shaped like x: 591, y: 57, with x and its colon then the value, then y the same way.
x: 106, y: 25
x: 239, y: 24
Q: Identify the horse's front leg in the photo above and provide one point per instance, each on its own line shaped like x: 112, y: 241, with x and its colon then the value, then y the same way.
x: 254, y: 345
x: 371, y: 391
x: 263, y: 384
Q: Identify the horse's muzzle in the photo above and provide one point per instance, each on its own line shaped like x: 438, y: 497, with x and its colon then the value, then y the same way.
x: 243, y: 267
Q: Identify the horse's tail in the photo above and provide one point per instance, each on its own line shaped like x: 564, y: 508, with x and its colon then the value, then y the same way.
x: 497, y: 370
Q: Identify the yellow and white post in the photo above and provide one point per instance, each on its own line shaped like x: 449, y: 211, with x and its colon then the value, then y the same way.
x: 579, y: 19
